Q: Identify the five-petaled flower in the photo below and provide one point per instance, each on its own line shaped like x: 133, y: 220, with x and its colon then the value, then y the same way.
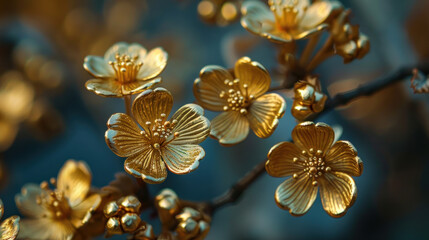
x: 241, y: 97
x: 314, y: 161
x: 9, y: 227
x: 58, y: 213
x: 288, y: 20
x: 161, y: 143
x: 125, y: 69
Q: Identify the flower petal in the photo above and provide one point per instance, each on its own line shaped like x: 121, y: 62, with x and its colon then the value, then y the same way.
x: 254, y: 75
x: 264, y: 114
x: 98, y: 67
x: 74, y: 179
x: 281, y: 162
x: 112, y: 88
x: 26, y: 201
x: 229, y: 128
x: 192, y: 126
x: 317, y: 13
x: 257, y: 17
x: 153, y: 64
x: 82, y: 212
x: 208, y: 87
x: 150, y: 104
x: 148, y: 165
x: 9, y: 228
x: 45, y: 228
x: 296, y: 195
x: 338, y: 192
x: 133, y: 49
x: 318, y: 136
x: 123, y: 135
x: 342, y: 157
x: 182, y: 159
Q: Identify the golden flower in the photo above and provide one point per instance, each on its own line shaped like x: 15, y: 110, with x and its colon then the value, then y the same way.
x: 349, y: 42
x: 161, y: 143
x: 58, y: 213
x: 288, y: 20
x: 242, y: 99
x: 125, y: 69
x: 308, y: 98
x: 9, y: 228
x: 314, y: 161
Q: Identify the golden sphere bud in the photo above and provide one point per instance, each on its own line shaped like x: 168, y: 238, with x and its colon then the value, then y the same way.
x: 187, y: 229
x: 113, y: 226
x: 111, y: 209
x: 130, y: 203
x: 130, y: 222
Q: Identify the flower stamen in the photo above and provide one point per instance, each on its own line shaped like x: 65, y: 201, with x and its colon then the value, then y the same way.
x: 126, y: 68
x: 236, y: 100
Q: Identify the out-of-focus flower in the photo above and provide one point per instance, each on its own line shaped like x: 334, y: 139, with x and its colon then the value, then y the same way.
x: 185, y: 222
x: 288, y: 20
x: 161, y: 144
x: 308, y: 98
x: 58, y: 213
x: 9, y: 228
x: 220, y: 12
x: 123, y: 215
x: 419, y: 82
x: 125, y: 69
x: 16, y: 101
x: 349, y: 42
x: 241, y: 98
x: 314, y: 161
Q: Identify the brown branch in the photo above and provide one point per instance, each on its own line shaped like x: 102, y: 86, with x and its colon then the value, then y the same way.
x: 233, y: 194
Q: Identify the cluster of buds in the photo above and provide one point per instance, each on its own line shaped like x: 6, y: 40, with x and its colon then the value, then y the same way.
x: 308, y: 98
x: 219, y: 12
x: 349, y: 42
x: 182, y: 222
x: 124, y: 217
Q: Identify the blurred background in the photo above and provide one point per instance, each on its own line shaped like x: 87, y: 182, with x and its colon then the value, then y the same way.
x: 47, y: 116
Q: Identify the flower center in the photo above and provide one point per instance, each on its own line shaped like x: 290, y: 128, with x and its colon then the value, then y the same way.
x: 235, y: 98
x: 161, y: 131
x: 126, y: 67
x: 54, y: 201
x: 314, y: 165
x: 286, y: 12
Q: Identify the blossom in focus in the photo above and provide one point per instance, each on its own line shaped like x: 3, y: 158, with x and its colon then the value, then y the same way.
x: 315, y: 162
x: 125, y: 69
x: 287, y: 20
x: 58, y: 213
x: 162, y: 143
x: 241, y: 98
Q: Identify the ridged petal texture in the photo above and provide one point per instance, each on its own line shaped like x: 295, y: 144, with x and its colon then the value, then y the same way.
x: 264, y: 114
x: 281, y: 162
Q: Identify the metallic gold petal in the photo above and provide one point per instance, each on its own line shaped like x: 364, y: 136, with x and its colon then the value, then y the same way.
x: 133, y: 49
x: 257, y: 17
x: 318, y: 136
x: 82, y: 212
x: 45, y: 229
x: 74, y: 179
x: 139, y: 86
x: 123, y: 135
x: 296, y: 195
x: 338, y: 192
x: 148, y: 165
x: 264, y: 114
x: 229, y: 128
x: 254, y: 75
x: 208, y: 87
x: 192, y: 126
x: 98, y: 67
x: 153, y: 64
x: 317, y: 13
x: 26, y: 201
x: 9, y: 228
x: 182, y: 159
x: 305, y: 33
x: 112, y: 88
x: 284, y: 160
x: 342, y: 157
x: 150, y: 104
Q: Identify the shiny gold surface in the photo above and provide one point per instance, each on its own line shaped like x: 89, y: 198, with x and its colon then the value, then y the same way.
x: 123, y: 215
x: 9, y: 228
x: 314, y: 162
x: 284, y: 21
x: 125, y: 69
x: 308, y: 98
x: 242, y: 99
x: 57, y: 213
x: 162, y: 143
